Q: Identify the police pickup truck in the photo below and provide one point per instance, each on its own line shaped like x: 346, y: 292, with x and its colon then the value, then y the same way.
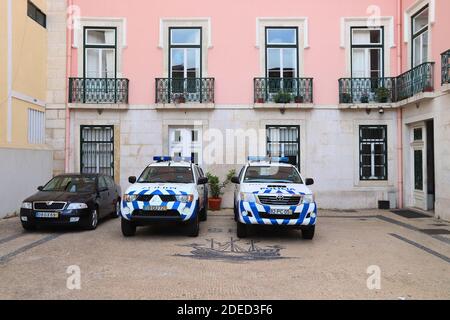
x: 170, y: 189
x: 270, y: 191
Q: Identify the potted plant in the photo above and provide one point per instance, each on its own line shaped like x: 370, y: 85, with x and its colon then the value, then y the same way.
x: 259, y: 100
x: 282, y: 97
x: 382, y: 95
x: 180, y: 99
x: 364, y: 98
x: 216, y: 189
x: 346, y: 98
x: 299, y: 99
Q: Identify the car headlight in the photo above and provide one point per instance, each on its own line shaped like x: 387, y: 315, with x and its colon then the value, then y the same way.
x: 308, y: 198
x: 27, y: 205
x: 248, y: 197
x: 77, y: 206
x: 130, y: 197
x: 185, y: 198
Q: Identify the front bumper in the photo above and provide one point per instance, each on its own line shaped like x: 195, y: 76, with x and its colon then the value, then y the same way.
x: 136, y: 211
x: 66, y: 217
x: 255, y: 213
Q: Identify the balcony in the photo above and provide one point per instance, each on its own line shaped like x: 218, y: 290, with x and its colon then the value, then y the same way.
x: 445, y: 72
x: 180, y: 93
x: 292, y: 92
x: 98, y: 92
x: 416, y: 83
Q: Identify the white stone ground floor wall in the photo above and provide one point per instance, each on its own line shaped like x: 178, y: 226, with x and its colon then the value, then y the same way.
x: 21, y: 172
x: 329, y: 143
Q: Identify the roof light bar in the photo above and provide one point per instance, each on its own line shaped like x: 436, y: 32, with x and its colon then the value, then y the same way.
x: 269, y: 159
x: 162, y: 158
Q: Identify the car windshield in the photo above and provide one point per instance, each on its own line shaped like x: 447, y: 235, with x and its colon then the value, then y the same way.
x: 71, y: 184
x: 167, y: 175
x: 262, y: 174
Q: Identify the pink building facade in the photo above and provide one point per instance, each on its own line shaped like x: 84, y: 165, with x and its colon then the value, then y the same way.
x: 356, y: 93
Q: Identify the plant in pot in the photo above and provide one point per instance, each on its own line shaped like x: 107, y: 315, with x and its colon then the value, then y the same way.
x: 299, y: 99
x: 180, y: 99
x: 216, y: 188
x: 382, y: 95
x: 364, y: 98
x: 260, y: 100
x: 346, y: 98
x: 282, y: 97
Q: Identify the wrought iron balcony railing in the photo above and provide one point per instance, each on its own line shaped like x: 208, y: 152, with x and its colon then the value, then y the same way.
x: 184, y: 90
x: 98, y: 90
x: 366, y: 90
x: 446, y: 67
x: 283, y: 90
x: 387, y: 90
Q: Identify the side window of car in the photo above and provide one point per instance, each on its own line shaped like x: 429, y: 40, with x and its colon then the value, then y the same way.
x: 102, y: 183
x: 202, y: 174
x: 241, y: 173
x: 196, y: 173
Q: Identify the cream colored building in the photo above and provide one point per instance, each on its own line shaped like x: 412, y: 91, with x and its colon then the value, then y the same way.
x: 24, y: 155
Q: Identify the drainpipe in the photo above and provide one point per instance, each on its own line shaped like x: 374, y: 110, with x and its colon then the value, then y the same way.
x: 399, y: 110
x: 68, y: 74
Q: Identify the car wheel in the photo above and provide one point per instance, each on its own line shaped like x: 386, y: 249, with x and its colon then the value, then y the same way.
x: 93, y: 220
x: 116, y: 213
x: 204, y: 212
x: 193, y: 227
x: 241, y: 230
x: 29, y: 226
x: 128, y: 228
x: 308, y: 233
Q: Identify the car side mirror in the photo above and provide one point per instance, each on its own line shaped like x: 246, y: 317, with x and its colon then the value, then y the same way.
x: 202, y: 181
x: 309, y: 182
x: 235, y: 180
x: 41, y: 188
x: 132, y: 180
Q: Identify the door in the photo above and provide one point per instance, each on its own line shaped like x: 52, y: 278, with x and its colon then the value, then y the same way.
x: 186, y: 142
x: 422, y: 163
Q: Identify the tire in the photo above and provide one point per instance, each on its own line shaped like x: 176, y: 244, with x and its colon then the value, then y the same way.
x: 308, y: 233
x: 241, y: 230
x: 128, y: 228
x: 29, y: 227
x: 204, y: 212
x: 93, y: 221
x: 116, y: 214
x: 193, y: 227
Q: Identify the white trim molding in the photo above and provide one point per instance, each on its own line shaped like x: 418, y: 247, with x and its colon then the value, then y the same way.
x: 164, y: 23
x: 28, y: 99
x: 347, y: 22
x: 10, y: 70
x: 409, y: 12
x: 301, y: 22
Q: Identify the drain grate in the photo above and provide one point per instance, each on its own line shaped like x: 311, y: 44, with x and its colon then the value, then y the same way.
x: 435, y: 231
x: 410, y: 214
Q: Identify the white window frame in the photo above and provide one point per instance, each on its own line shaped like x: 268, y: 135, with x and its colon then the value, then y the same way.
x: 36, y: 126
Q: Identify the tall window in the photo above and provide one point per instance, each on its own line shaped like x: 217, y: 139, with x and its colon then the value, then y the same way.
x: 97, y: 149
x: 284, y: 141
x: 100, y: 45
x: 185, y: 58
x: 373, y: 152
x: 186, y: 142
x: 367, y: 52
x: 281, y: 52
x: 36, y: 126
x: 419, y: 26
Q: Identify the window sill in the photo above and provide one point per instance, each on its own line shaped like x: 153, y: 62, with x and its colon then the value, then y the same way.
x: 446, y: 87
x: 271, y: 106
x: 185, y: 106
x: 365, y: 106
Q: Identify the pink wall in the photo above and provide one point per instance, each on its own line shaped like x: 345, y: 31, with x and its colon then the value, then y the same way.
x: 234, y: 60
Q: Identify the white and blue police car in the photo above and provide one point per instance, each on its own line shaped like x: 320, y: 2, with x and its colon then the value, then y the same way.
x: 270, y: 191
x: 170, y: 189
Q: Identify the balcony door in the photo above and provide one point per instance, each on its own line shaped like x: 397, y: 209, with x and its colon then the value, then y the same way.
x: 100, y: 53
x: 367, y: 52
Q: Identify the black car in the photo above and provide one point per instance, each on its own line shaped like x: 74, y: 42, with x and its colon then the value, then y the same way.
x: 72, y: 199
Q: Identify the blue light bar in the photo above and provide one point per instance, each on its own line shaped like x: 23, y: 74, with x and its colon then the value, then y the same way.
x: 280, y: 159
x: 162, y: 159
x: 269, y: 159
x: 182, y: 159
x: 258, y: 159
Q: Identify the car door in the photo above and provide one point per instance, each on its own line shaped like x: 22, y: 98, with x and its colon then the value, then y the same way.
x: 237, y: 187
x: 103, y: 197
x: 205, y: 187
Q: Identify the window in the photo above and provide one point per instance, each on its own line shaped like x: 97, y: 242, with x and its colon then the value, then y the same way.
x: 282, y: 52
x: 367, y: 52
x: 100, y: 57
x: 418, y: 170
x: 36, y: 127
x: 36, y: 14
x: 186, y: 142
x: 284, y: 141
x: 373, y: 152
x: 97, y: 149
x: 185, y: 58
x: 419, y: 26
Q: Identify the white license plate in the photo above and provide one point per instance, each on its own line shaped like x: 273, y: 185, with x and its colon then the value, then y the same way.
x: 155, y: 208
x: 47, y: 215
x: 281, y: 212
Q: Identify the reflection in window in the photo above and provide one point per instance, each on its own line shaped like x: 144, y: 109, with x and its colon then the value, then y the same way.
x: 367, y: 52
x: 420, y: 37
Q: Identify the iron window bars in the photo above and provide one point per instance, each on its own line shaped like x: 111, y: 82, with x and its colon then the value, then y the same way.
x: 373, y: 152
x: 97, y: 149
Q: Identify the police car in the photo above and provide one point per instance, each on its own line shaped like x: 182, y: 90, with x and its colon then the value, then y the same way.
x: 170, y: 189
x: 270, y: 191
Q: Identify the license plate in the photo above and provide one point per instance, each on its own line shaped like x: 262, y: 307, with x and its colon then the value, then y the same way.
x: 155, y: 208
x: 47, y: 215
x: 281, y: 212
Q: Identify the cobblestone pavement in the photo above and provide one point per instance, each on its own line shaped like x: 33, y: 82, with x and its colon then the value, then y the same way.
x: 413, y: 256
